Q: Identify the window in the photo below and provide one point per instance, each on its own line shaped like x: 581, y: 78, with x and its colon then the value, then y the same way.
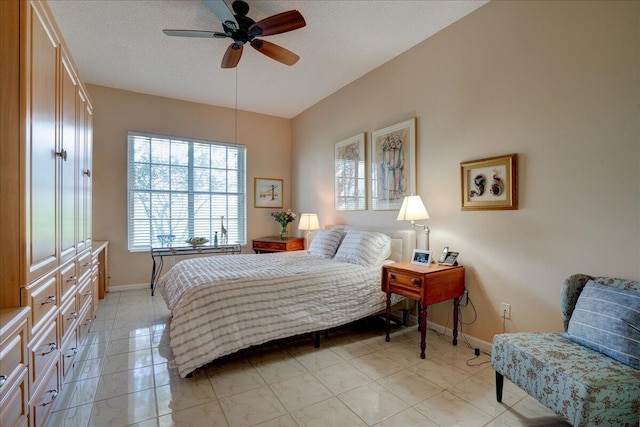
x: 184, y: 187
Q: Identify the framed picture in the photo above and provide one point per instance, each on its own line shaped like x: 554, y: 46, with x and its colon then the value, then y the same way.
x: 350, y: 179
x: 490, y: 183
x: 421, y: 257
x: 393, y: 165
x: 268, y: 193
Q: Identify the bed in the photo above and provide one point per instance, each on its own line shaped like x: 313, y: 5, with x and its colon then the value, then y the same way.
x: 222, y: 304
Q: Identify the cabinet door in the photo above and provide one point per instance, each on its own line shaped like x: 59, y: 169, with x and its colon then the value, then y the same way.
x: 42, y: 59
x: 85, y: 145
x: 69, y: 164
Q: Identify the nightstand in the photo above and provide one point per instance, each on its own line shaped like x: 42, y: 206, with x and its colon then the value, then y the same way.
x: 276, y: 244
x: 427, y: 285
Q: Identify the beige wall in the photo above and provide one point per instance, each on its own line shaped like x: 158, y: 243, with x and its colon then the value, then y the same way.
x: 557, y: 83
x: 116, y: 112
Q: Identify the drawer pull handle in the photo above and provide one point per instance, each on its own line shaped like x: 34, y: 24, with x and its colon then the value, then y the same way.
x: 415, y: 282
x: 71, y: 279
x: 62, y: 154
x: 74, y: 351
x: 86, y: 265
x: 87, y: 172
x: 392, y: 276
x: 50, y: 299
x: 54, y: 394
x: 87, y: 294
x: 3, y: 379
x: 72, y: 316
x: 52, y: 347
x: 87, y: 322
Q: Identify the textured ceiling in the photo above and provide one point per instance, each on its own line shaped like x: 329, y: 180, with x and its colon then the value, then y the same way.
x: 120, y: 44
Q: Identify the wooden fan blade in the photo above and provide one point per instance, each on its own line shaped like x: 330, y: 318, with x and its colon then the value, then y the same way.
x: 221, y: 10
x: 274, y: 51
x: 194, y: 33
x: 232, y: 56
x: 276, y: 24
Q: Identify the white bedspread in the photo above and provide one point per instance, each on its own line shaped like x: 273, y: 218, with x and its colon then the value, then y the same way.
x: 222, y: 304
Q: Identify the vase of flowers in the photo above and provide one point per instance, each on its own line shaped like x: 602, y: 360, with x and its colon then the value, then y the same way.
x: 284, y: 218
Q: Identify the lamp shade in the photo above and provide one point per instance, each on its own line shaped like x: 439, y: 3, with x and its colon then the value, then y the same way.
x: 308, y: 221
x: 412, y: 209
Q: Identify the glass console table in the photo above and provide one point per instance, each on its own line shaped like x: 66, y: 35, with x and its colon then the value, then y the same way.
x: 158, y: 255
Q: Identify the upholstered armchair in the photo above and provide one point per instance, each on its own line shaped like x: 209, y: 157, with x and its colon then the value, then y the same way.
x: 575, y: 373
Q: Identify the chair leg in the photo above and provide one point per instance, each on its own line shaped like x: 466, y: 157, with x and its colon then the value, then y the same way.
x: 499, y: 384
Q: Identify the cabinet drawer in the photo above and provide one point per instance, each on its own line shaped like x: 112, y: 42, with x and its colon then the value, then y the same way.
x: 13, y: 349
x: 44, y: 349
x: 68, y: 353
x: 68, y: 317
x: 68, y: 280
x: 85, y: 295
x: 13, y: 405
x: 43, y: 399
x: 84, y: 264
x: 43, y: 300
x: 85, y: 324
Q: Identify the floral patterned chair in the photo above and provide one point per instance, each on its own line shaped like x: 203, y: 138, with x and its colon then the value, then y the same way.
x: 582, y: 385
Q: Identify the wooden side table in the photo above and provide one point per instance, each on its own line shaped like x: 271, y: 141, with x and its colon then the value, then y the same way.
x: 276, y: 244
x: 427, y: 285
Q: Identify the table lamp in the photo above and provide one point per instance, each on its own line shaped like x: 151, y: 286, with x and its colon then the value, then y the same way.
x: 413, y: 209
x: 308, y: 222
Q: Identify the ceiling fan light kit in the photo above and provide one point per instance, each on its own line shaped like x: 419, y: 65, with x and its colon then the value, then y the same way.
x: 244, y: 30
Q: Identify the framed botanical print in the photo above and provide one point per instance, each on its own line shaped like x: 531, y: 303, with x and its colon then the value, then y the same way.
x: 268, y: 192
x: 350, y: 179
x: 393, y: 165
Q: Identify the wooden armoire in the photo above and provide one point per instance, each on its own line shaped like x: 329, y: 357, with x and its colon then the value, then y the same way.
x: 48, y: 268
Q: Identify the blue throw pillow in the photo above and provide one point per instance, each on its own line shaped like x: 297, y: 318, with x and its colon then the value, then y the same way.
x: 607, y: 319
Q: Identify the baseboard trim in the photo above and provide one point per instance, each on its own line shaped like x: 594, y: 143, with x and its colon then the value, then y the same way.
x: 133, y: 287
x: 473, y: 341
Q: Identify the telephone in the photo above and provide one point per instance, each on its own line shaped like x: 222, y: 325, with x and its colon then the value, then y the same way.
x: 447, y: 257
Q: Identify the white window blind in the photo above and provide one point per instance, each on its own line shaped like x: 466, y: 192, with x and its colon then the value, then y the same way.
x: 184, y: 187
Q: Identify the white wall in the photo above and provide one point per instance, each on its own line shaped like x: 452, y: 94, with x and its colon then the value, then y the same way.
x: 557, y: 83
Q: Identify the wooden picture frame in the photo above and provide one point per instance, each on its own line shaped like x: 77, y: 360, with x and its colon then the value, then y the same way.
x: 350, y: 193
x: 490, y: 184
x: 392, y: 165
x: 267, y: 192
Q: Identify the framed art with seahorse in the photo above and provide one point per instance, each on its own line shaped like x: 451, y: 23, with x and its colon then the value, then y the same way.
x: 490, y: 184
x: 393, y: 165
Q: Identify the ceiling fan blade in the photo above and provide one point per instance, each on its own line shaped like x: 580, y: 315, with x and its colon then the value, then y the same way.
x: 232, y: 56
x: 194, y: 33
x: 276, y: 24
x: 221, y: 10
x: 274, y: 51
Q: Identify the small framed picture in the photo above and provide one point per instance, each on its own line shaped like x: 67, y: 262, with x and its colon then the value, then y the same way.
x: 421, y: 257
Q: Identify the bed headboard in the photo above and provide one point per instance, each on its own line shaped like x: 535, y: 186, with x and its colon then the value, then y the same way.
x: 403, y: 242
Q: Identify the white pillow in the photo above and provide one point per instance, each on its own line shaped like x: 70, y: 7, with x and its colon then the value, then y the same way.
x: 364, y: 248
x: 325, y: 243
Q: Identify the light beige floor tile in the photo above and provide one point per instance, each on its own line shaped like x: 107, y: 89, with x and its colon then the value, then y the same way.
x: 447, y: 409
x: 179, y: 395
x: 372, y: 403
x: 279, y: 369
x: 440, y: 373
x: 376, y: 365
x: 284, y: 421
x: 316, y: 358
x: 208, y: 414
x: 342, y: 377
x: 77, y: 393
x: 463, y: 358
x: 97, y: 337
x: 164, y: 373
x: 126, y: 361
x: 409, y: 386
x: 91, y: 351
x: 233, y: 378
x: 152, y: 422
x: 128, y: 345
x: 124, y: 333
x: 160, y: 339
x: 252, y: 407
x: 407, y: 418
x: 404, y: 353
x: 77, y: 416
x: 85, y: 369
x: 482, y: 395
x: 124, y: 382
x: 124, y: 410
x: 528, y: 412
x: 350, y: 349
x: 102, y: 325
x: 331, y: 412
x: 301, y: 391
x: 162, y: 354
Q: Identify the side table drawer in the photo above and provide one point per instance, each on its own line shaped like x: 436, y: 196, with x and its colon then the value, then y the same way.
x: 269, y: 246
x: 404, y: 284
x: 13, y: 405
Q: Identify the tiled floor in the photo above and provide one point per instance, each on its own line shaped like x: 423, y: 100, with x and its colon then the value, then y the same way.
x: 123, y: 376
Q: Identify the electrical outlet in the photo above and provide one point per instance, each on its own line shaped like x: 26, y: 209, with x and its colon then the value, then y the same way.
x: 464, y: 299
x: 505, y: 310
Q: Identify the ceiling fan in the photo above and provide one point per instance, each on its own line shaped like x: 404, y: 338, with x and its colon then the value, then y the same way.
x: 243, y: 30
